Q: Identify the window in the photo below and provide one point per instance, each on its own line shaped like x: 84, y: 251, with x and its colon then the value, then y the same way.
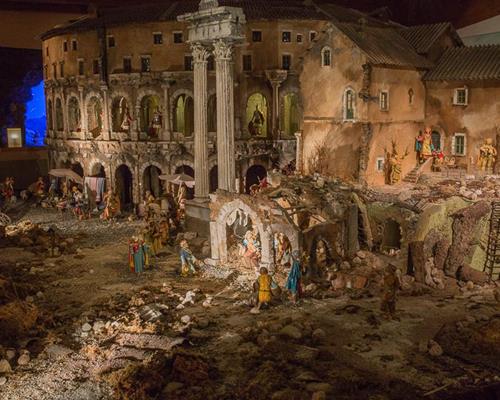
x: 178, y: 37
x: 157, y: 38
x: 74, y: 45
x: 61, y: 69
x: 95, y: 67
x: 384, y: 100
x: 459, y: 144
x: 256, y: 36
x: 47, y: 51
x: 145, y: 64
x: 247, y: 62
x: 127, y: 65
x: 461, y: 97
x: 312, y: 36
x: 111, y: 42
x: 286, y: 61
x: 286, y: 37
x: 188, y: 63
x: 349, y: 105
x: 326, y: 57
x: 411, y: 96
x: 65, y: 46
x: 210, y: 63
x: 380, y: 164
x: 54, y: 70
x: 81, y: 68
x: 299, y: 37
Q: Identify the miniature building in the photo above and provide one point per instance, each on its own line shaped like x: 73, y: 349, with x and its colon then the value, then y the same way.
x: 327, y: 86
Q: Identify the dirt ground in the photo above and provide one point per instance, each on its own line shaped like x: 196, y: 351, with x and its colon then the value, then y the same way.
x: 104, y: 333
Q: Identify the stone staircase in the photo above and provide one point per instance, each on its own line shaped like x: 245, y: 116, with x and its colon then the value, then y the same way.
x: 414, y: 175
x: 492, y: 262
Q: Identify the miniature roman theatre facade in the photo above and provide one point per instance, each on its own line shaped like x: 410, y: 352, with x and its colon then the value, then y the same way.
x: 226, y: 94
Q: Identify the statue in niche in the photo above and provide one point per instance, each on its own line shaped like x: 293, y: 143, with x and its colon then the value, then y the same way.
x: 256, y: 124
x: 394, y: 164
x: 487, y: 155
x: 126, y: 119
x: 95, y: 114
x: 156, y: 123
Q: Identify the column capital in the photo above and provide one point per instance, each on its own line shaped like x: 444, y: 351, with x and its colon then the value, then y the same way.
x: 200, y: 53
x: 276, y: 76
x: 223, y: 50
x: 298, y: 135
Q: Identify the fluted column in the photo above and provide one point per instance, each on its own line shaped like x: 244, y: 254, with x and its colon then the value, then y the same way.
x: 200, y: 57
x: 166, y: 133
x: 225, y: 115
x: 106, y: 135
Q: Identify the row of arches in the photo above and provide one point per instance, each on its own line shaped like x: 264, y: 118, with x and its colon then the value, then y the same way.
x: 150, y: 118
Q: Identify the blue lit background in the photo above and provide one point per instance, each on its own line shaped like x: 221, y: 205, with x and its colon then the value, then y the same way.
x: 35, y: 121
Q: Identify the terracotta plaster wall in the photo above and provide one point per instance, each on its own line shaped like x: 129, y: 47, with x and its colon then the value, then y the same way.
x: 478, y: 120
x: 397, y: 82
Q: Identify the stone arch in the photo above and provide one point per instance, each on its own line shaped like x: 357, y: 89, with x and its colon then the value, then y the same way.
x: 290, y: 112
x: 124, y: 184
x: 173, y: 101
x: 183, y: 114
x: 142, y: 174
x: 94, y: 106
x: 177, y: 162
x: 121, y: 112
x: 150, y: 106
x: 59, y: 114
x: 97, y: 168
x: 219, y: 226
x: 257, y: 122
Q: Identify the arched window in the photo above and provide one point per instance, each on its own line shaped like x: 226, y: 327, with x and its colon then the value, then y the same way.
x: 257, y: 115
x: 59, y: 116
x: 326, y: 57
x: 50, y: 115
x: 212, y: 113
x: 290, y: 114
x: 120, y: 115
x: 74, y: 118
x: 151, y: 118
x: 349, y: 105
x: 184, y: 115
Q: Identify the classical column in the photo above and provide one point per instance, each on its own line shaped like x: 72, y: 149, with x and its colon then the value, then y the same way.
x: 299, y: 155
x: 106, y: 135
x: 200, y: 57
x: 276, y: 104
x: 166, y: 133
x: 83, y: 115
x: 225, y: 115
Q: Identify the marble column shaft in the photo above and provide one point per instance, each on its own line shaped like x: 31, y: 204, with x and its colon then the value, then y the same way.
x: 276, y: 105
x: 200, y: 57
x: 225, y: 115
x: 166, y: 113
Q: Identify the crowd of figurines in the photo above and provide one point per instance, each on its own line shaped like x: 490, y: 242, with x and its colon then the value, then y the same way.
x: 426, y: 150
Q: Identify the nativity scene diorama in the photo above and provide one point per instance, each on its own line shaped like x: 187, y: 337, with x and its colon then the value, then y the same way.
x: 256, y: 199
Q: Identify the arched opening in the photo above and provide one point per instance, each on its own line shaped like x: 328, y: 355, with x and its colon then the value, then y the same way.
x: 392, y: 236
x: 151, y: 180
x: 349, y: 105
x: 59, y: 116
x: 151, y: 118
x: 77, y: 167
x: 74, y: 117
x: 123, y: 185
x: 212, y: 113
x: 50, y: 115
x: 120, y: 115
x: 184, y: 115
x: 436, y: 140
x: 95, y: 117
x: 98, y: 171
x: 186, y: 169
x: 256, y: 115
x: 213, y: 178
x: 243, y: 241
x: 326, y: 57
x: 253, y: 176
x: 290, y: 114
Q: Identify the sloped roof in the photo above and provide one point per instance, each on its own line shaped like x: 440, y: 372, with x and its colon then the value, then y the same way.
x: 467, y: 63
x: 422, y: 37
x: 384, y: 46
